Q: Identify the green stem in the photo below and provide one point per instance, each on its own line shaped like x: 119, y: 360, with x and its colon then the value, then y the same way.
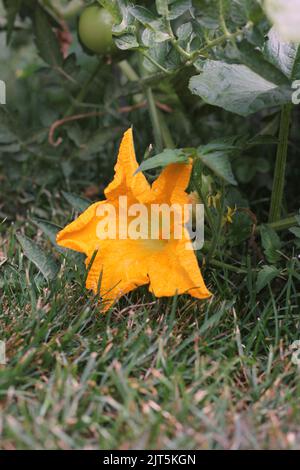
x: 218, y: 41
x: 229, y: 267
x: 132, y: 76
x: 280, y: 166
x: 198, y: 188
x: 175, y: 44
x: 218, y: 229
x: 128, y: 71
x: 154, y: 120
x: 165, y: 131
x: 283, y: 224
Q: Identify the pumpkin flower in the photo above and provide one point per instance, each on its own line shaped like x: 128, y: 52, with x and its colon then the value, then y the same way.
x: 120, y: 265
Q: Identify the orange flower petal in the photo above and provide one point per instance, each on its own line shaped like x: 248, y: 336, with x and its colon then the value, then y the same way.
x: 177, y: 271
x: 119, y: 267
x: 122, y: 265
x: 171, y: 184
x: 125, y: 182
x: 80, y: 235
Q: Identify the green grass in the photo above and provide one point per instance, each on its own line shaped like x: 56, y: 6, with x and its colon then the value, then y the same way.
x: 167, y: 374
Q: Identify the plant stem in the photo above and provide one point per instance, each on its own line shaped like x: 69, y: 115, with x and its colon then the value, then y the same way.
x: 164, y: 131
x: 198, y: 188
x: 166, y: 134
x: 229, y: 267
x: 282, y: 224
x: 128, y: 71
x: 218, y: 229
x: 280, y: 167
x: 174, y: 42
x: 154, y: 120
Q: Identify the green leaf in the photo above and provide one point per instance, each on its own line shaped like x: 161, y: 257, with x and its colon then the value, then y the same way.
x: 127, y: 41
x: 163, y: 159
x: 78, y: 203
x: 142, y: 14
x: 245, y: 10
x: 49, y: 229
x: 218, y: 162
x: 266, y: 276
x: 271, y: 243
x: 254, y: 58
x: 178, y: 8
x: 236, y: 88
x: 45, y: 263
x: 224, y: 145
x: 162, y: 7
x: 113, y: 7
x: 295, y: 231
x: 284, y: 55
x: 45, y: 39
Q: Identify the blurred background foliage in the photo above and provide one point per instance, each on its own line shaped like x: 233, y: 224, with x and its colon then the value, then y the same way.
x: 184, y: 73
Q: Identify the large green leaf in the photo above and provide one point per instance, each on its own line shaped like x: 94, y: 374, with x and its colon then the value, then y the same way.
x: 44, y: 262
x: 284, y: 55
x: 237, y: 88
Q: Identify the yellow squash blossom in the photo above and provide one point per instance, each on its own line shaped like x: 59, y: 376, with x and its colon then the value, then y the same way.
x: 121, y: 265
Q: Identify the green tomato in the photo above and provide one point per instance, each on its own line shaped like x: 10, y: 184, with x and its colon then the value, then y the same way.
x: 95, y: 30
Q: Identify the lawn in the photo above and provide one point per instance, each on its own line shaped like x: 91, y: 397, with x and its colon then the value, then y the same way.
x: 150, y: 373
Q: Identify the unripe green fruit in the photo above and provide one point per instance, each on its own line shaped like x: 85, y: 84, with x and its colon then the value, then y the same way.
x: 95, y: 30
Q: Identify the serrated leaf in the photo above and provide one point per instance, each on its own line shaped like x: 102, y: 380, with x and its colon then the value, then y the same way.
x: 46, y: 41
x: 236, y: 88
x: 218, y: 162
x: 163, y: 159
x: 266, y: 276
x: 44, y: 262
x: 78, y: 203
